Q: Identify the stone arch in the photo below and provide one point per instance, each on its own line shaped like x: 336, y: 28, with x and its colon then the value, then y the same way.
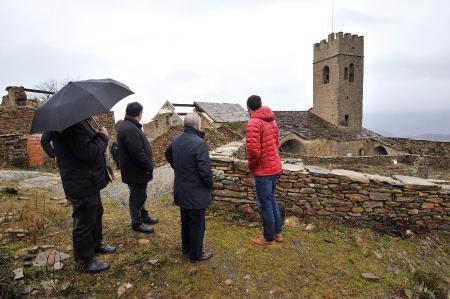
x: 380, y: 151
x: 292, y: 146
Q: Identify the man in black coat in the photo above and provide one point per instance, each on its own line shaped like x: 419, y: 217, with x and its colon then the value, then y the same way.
x: 189, y: 157
x: 80, y: 155
x: 136, y: 166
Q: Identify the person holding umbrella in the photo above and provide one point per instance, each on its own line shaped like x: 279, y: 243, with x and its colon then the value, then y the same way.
x: 80, y: 155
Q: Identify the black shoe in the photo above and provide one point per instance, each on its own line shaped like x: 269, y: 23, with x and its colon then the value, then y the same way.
x: 206, y: 255
x: 105, y: 249
x: 142, y: 228
x: 93, y: 267
x: 150, y: 220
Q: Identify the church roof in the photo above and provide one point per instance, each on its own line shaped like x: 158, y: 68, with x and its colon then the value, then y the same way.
x: 223, y: 112
x: 310, y: 126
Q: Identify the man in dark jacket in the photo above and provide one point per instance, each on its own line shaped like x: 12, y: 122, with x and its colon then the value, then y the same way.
x: 80, y: 155
x: 189, y: 157
x: 136, y: 166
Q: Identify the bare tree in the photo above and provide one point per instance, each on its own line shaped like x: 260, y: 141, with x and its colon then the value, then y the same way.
x: 51, y: 85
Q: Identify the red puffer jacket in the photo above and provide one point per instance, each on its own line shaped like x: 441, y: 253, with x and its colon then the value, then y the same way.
x: 262, y: 143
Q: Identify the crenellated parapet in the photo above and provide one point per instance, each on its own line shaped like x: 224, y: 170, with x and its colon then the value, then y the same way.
x: 339, y: 43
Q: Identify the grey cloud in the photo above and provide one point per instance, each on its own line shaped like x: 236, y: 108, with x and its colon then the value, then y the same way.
x: 31, y: 64
x: 347, y: 17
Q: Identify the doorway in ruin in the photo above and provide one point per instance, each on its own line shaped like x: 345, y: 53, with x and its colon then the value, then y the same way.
x: 380, y: 151
x: 292, y: 146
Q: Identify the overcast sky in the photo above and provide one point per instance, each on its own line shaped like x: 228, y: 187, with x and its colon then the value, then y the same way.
x: 224, y: 51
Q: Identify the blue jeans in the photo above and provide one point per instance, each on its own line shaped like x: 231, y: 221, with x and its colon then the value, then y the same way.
x: 265, y: 194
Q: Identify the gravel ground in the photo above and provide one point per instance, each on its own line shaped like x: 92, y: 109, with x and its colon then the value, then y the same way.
x: 161, y: 184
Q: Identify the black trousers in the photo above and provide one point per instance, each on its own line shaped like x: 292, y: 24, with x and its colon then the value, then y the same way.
x: 136, y: 202
x: 87, y: 226
x: 192, y: 231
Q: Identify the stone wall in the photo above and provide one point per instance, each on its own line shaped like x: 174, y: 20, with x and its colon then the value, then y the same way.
x: 15, y: 120
x: 108, y: 121
x: 13, y: 150
x: 418, y: 147
x: 341, y: 194
x: 435, y: 162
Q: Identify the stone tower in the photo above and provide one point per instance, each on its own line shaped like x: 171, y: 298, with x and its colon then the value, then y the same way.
x: 338, y: 69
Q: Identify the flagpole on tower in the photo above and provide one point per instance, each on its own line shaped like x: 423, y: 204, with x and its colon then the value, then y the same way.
x: 332, y: 16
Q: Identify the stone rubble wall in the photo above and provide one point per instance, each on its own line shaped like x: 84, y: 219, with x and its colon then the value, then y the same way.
x: 340, y: 194
x: 13, y: 150
x: 436, y: 162
x: 14, y: 120
x: 426, y: 147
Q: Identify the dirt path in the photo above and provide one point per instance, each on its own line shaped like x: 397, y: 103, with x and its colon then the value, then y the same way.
x: 161, y: 184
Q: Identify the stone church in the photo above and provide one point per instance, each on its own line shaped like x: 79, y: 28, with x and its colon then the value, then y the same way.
x: 333, y: 126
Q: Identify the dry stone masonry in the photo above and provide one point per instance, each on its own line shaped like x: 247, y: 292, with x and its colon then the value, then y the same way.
x: 321, y: 193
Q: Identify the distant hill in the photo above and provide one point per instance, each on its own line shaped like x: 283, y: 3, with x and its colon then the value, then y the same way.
x: 432, y: 137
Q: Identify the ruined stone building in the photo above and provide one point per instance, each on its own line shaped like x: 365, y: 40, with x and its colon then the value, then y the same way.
x: 16, y: 97
x: 333, y: 126
x: 17, y: 146
x: 164, y: 119
x: 212, y: 114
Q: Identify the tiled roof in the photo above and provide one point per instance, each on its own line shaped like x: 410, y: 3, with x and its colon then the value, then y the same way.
x: 310, y: 126
x: 223, y: 112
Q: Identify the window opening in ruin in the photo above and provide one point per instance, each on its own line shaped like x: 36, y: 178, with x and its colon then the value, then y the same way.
x: 361, y: 152
x: 380, y: 151
x: 292, y: 146
x: 351, y: 72
x: 346, y: 73
x: 346, y: 117
x: 168, y: 118
x: 156, y: 123
x: 347, y: 97
x: 326, y: 75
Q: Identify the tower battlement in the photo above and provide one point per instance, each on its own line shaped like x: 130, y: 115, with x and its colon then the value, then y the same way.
x: 338, y: 71
x: 339, y: 43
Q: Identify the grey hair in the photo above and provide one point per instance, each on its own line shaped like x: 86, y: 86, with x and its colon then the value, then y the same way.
x: 192, y: 120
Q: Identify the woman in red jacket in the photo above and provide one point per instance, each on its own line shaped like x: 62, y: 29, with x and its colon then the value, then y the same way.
x: 265, y: 165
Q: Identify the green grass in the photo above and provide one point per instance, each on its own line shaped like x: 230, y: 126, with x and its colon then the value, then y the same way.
x: 324, y: 263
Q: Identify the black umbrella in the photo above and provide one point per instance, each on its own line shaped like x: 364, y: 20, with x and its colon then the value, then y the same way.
x: 77, y: 101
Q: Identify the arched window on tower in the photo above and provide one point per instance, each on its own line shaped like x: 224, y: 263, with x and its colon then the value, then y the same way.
x: 346, y: 73
x: 351, y: 72
x: 326, y: 75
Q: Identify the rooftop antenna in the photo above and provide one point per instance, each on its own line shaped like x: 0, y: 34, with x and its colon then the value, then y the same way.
x: 332, y: 16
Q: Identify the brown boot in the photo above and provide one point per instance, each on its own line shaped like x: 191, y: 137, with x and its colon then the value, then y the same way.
x: 261, y: 242
x: 279, y: 237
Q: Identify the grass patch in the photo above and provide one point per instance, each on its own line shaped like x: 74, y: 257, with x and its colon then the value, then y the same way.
x: 324, y: 263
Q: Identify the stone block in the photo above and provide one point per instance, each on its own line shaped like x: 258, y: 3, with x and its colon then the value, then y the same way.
x: 372, y: 204
x: 434, y: 199
x: 230, y: 193
x: 357, y: 197
x: 307, y: 190
x: 380, y: 196
x: 357, y: 209
x: 427, y: 205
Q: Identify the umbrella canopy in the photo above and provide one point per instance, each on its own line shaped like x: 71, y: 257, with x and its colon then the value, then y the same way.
x: 77, y: 101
